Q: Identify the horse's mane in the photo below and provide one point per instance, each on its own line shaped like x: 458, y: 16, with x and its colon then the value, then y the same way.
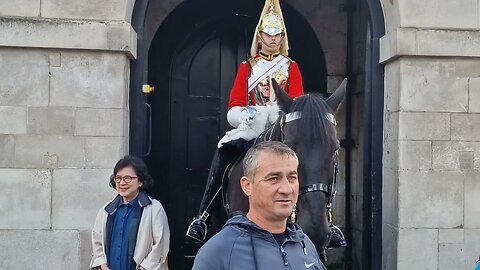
x: 312, y: 125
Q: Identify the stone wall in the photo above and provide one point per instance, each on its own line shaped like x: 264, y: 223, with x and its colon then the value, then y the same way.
x: 431, y: 135
x: 64, y: 75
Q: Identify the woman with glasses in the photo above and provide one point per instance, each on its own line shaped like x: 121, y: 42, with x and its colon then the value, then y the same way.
x: 131, y: 232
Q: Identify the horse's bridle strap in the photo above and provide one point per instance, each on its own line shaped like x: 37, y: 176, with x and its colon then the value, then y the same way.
x: 292, y: 116
x: 314, y: 187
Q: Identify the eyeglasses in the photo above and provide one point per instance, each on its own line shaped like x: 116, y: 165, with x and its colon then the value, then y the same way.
x: 127, y: 178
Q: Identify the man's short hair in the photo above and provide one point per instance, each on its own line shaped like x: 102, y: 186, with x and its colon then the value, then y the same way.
x: 138, y: 166
x: 250, y: 161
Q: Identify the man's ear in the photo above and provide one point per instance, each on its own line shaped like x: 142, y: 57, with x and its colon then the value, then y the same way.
x: 246, y: 186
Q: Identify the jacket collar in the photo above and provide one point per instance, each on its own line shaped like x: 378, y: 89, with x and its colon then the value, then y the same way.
x: 268, y: 56
x: 293, y: 231
x: 143, y: 200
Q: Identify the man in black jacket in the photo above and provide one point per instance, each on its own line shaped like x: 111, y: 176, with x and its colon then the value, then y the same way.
x: 264, y: 238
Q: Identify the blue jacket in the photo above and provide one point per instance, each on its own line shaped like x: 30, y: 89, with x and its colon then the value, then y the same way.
x: 242, y: 245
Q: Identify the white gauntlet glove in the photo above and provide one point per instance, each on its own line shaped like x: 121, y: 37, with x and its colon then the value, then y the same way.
x: 237, y: 116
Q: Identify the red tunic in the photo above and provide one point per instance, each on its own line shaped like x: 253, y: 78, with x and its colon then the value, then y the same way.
x: 238, y: 94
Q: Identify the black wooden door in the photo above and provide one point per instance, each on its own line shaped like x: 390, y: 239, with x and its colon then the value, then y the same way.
x: 201, y: 75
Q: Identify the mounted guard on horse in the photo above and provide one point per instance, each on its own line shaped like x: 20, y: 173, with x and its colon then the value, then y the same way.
x: 253, y: 108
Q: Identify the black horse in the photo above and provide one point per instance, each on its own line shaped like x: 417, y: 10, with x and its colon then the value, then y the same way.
x: 307, y: 125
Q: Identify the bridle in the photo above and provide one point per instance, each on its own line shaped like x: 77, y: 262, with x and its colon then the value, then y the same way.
x: 330, y: 189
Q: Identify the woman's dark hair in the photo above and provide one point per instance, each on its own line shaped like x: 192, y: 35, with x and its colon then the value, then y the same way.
x: 138, y: 166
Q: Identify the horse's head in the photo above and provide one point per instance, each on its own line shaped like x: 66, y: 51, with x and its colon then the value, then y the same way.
x: 310, y: 130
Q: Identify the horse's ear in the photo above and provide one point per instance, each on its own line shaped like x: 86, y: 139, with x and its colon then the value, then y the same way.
x: 337, y: 97
x: 284, y: 101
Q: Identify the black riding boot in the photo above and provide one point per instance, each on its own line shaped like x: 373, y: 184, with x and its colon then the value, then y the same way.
x: 223, y: 157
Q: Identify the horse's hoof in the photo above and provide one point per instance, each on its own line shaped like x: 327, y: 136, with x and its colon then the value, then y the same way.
x: 197, y: 230
x: 337, y: 239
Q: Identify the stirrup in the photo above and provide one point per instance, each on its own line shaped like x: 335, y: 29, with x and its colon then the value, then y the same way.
x: 337, y: 239
x: 198, y: 228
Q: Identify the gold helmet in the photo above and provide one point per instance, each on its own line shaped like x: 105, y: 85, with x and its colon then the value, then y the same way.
x: 271, y: 22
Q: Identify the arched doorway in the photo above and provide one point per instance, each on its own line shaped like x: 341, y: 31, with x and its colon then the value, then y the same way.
x: 192, y: 64
x: 176, y: 57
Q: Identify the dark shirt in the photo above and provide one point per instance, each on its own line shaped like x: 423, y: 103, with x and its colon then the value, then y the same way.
x: 122, y: 225
x: 279, y: 237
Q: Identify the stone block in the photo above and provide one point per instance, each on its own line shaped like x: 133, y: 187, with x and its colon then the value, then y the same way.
x: 15, y: 66
x: 458, y: 43
x: 472, y: 201
x: 448, y: 43
x: 79, y: 193
x: 392, y: 87
x: 42, y: 250
x: 13, y: 120
x: 474, y: 95
x: 410, y: 242
x: 390, y: 140
x: 456, y: 156
x: 49, y: 152
x: 468, y: 68
x: 51, y: 120
x: 452, y: 256
x: 472, y: 247
x: 85, y: 10
x: 21, y: 8
x: 104, y: 152
x: 425, y: 198
x: 55, y: 59
x: 424, y: 126
x: 431, y: 85
x: 390, y: 209
x: 86, y: 80
x: 415, y: 155
x: 451, y: 236
x: 85, y: 247
x: 465, y: 127
x: 396, y: 43
x: 7, y: 150
x: 390, y: 244
x: 117, y: 36
x: 25, y: 200
x: 438, y: 14
x: 101, y: 122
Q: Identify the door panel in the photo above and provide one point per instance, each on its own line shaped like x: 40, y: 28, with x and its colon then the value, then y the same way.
x: 201, y: 76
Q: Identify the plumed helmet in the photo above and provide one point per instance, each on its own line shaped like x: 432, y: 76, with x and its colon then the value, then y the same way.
x: 270, y: 22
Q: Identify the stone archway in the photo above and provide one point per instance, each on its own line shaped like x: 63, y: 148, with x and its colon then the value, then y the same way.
x: 166, y: 8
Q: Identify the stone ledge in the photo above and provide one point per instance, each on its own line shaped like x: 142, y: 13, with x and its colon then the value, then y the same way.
x: 429, y: 42
x: 68, y: 34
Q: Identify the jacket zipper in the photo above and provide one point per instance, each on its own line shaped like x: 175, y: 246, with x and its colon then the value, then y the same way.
x: 284, y: 257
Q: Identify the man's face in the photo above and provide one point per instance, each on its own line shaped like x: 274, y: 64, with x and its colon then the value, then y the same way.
x: 274, y: 190
x: 271, y: 44
x: 128, y: 190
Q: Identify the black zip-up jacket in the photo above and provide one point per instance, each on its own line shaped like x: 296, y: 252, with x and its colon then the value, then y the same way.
x: 242, y: 245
